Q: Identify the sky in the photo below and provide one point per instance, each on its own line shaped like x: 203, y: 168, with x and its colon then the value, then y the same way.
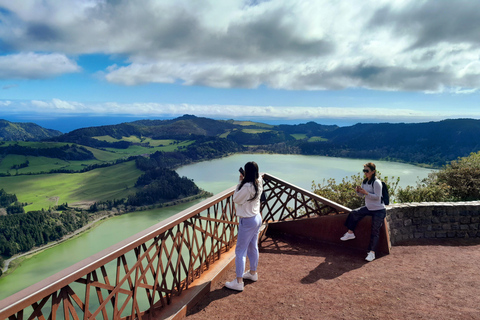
x: 66, y: 64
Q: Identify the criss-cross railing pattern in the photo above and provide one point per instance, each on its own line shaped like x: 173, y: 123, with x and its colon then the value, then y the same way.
x: 286, y: 201
x: 140, y: 275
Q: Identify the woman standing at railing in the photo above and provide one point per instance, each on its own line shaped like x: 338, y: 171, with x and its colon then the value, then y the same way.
x: 247, y: 205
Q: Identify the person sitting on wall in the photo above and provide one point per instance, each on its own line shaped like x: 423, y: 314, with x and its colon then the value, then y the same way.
x: 371, y: 190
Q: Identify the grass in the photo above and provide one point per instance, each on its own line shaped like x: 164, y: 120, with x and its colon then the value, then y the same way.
x: 255, y: 130
x: 106, y: 138
x: 251, y: 123
x: 43, y: 164
x: 299, y: 136
x: 158, y: 143
x: 46, y: 190
x: 313, y: 139
x: 42, y: 190
x: 39, y: 145
x: 144, y: 140
x: 8, y: 161
x: 136, y: 150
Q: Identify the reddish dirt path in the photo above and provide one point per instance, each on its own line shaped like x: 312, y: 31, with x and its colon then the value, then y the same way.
x: 304, y: 280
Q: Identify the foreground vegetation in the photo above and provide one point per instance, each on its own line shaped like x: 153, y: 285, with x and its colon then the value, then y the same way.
x: 457, y: 181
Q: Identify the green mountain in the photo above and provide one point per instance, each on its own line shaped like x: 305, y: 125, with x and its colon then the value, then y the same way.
x: 431, y: 143
x: 16, y: 131
x: 434, y: 143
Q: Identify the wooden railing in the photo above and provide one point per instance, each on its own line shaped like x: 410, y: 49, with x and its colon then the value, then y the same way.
x: 139, y: 276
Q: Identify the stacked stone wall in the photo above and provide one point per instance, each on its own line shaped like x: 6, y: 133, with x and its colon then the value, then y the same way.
x: 428, y: 220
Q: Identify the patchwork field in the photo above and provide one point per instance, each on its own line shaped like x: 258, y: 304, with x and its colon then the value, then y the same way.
x: 46, y: 190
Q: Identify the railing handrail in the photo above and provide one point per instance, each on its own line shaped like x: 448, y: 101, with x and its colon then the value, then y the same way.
x: 35, y: 292
x: 330, y: 203
x: 30, y: 296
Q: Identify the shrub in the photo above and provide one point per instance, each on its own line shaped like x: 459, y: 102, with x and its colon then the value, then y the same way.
x: 427, y: 190
x: 463, y: 178
x: 344, y: 192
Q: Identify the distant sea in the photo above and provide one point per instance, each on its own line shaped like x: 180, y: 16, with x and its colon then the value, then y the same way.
x: 69, y: 123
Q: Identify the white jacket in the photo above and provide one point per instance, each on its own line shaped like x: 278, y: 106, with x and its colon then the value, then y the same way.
x: 244, y: 207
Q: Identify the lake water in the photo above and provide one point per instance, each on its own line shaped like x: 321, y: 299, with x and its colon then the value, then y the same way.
x: 218, y: 175
x: 214, y: 176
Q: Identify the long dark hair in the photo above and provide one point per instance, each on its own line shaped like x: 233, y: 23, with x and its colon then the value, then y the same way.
x: 251, y: 175
x: 372, y: 167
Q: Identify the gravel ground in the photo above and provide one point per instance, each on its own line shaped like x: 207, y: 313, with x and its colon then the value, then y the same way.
x: 299, y: 279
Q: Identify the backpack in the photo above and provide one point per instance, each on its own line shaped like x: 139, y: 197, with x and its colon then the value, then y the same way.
x: 385, y: 195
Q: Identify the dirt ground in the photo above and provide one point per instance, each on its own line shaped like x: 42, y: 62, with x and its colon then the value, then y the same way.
x: 303, y: 280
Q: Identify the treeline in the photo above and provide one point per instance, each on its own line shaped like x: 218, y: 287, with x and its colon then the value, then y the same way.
x: 10, y: 203
x: 93, y: 166
x: 84, y: 169
x: 262, y: 138
x: 156, y: 186
x: 434, y: 143
x: 204, y: 148
x: 160, y: 183
x: 91, y: 142
x: 20, y: 233
x: 66, y: 152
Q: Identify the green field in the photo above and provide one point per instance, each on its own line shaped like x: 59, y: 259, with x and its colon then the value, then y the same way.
x: 167, y: 144
x: 44, y: 164
x: 255, y: 130
x: 299, y: 136
x: 314, y: 139
x: 46, y: 190
x: 251, y: 123
x: 40, y: 145
x: 137, y: 150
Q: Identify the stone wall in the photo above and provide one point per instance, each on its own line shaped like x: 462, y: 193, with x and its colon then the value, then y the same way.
x: 433, y: 220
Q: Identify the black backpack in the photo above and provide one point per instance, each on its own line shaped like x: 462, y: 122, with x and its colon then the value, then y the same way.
x: 385, y: 195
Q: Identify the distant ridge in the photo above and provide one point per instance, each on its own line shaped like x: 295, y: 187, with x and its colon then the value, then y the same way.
x: 19, y: 131
x: 428, y: 143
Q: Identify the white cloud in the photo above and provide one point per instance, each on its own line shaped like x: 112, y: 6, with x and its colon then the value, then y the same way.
x: 35, y: 66
x: 411, y: 45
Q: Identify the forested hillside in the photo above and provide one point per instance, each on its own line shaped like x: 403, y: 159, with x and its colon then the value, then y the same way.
x: 16, y: 131
x: 435, y: 143
x: 432, y: 143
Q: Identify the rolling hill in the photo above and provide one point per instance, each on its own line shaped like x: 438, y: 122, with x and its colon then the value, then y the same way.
x: 17, y: 131
x: 430, y: 143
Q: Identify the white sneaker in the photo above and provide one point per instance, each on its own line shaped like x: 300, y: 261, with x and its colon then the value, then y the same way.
x: 348, y: 236
x: 370, y: 256
x: 234, y: 285
x: 248, y: 276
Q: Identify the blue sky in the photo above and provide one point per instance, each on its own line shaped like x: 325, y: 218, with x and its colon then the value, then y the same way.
x: 69, y: 64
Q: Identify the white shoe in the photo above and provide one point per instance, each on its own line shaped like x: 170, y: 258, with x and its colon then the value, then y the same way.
x: 370, y: 256
x: 348, y: 236
x: 248, y: 276
x: 234, y: 285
